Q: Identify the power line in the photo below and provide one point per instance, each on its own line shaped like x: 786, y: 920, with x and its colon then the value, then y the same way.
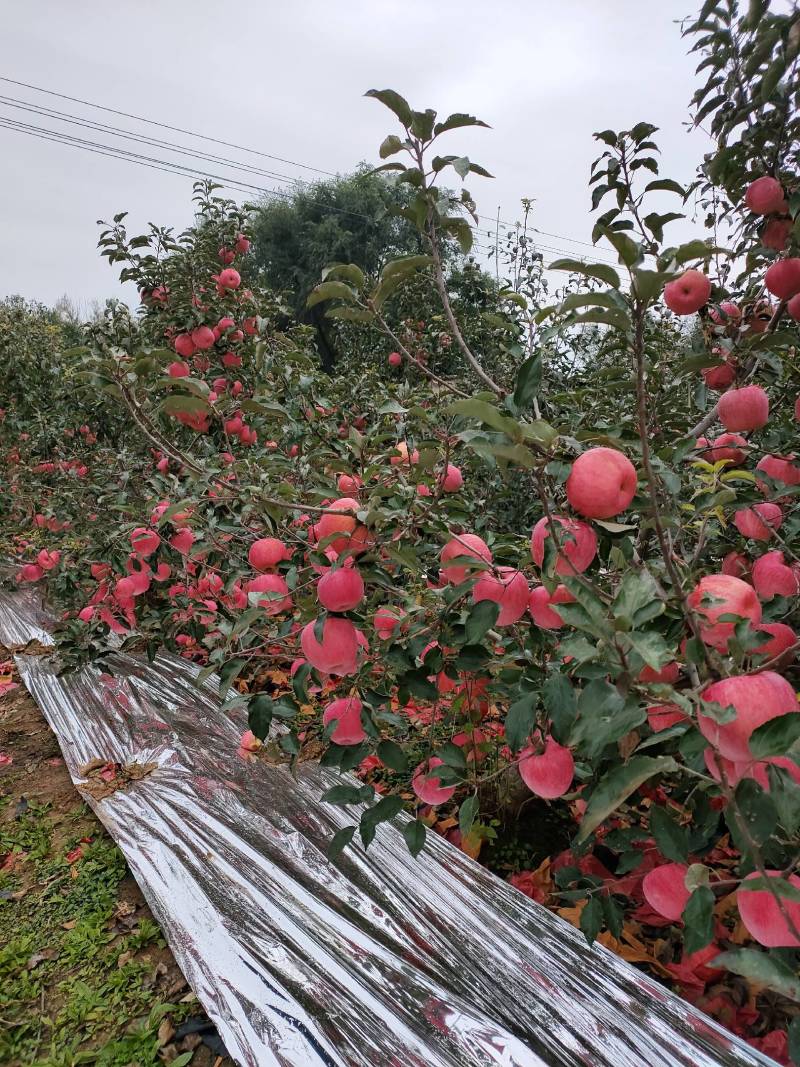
x: 243, y: 148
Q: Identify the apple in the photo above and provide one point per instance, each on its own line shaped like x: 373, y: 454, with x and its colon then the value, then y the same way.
x: 780, y: 638
x: 453, y: 479
x: 540, y: 606
x: 549, y: 773
x: 346, y: 713
x: 266, y: 553
x: 765, y: 196
x: 395, y: 359
x: 733, y: 597
x: 340, y: 589
x: 779, y: 469
x: 462, y: 545
x: 664, y: 889
x: 229, y: 279
x: 775, y: 234
x: 783, y: 278
x: 349, y: 483
x: 687, y: 294
x: 719, y: 377
x: 601, y: 483
x: 662, y: 716
x: 762, y: 917
x: 508, y: 588
x: 723, y: 449
x: 386, y: 622
x: 737, y: 564
x: 331, y: 522
x: 337, y: 652
x: 759, y: 521
x: 757, y: 698
x: 428, y: 786
x: 279, y: 601
x: 772, y: 576
x: 744, y: 409
x: 184, y: 345
x: 203, y: 338
x: 178, y: 369
x: 578, y: 544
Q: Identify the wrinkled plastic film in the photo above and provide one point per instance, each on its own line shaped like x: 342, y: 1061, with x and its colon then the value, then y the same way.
x: 376, y: 960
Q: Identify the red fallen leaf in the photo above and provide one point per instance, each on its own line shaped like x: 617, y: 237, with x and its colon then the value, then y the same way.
x: 74, y: 855
x: 691, y: 971
x: 9, y: 862
x: 5, y: 759
x: 108, y: 773
x: 645, y: 915
x: 534, y: 884
x: 775, y: 1044
x: 56, y: 761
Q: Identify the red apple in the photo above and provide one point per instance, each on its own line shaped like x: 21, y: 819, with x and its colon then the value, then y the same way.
x: 759, y: 521
x: 775, y: 234
x: 601, y: 483
x: 687, y: 294
x: 578, y: 544
x: 337, y: 653
x: 763, y: 918
x: 757, y: 698
x: 266, y: 553
x: 280, y: 599
x: 772, y: 576
x: 340, y: 589
x: 765, y: 196
x: 463, y: 544
x: 783, y: 278
x: 428, y: 786
x: 540, y: 606
x: 744, y: 409
x: 346, y: 713
x: 664, y: 889
x: 549, y: 773
x: 508, y: 588
x: 730, y: 596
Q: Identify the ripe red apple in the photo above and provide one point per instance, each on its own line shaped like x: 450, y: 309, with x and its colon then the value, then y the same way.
x: 229, y: 279
x: 728, y: 312
x: 453, y: 479
x: 405, y: 457
x: 780, y: 638
x: 428, y: 785
x: 779, y: 469
x: 279, y: 601
x: 508, y: 588
x: 395, y: 359
x: 184, y: 345
x: 266, y: 553
x: 242, y: 244
x: 340, y: 589
x: 763, y: 918
x: 731, y: 596
x: 668, y: 675
x: 759, y: 521
x: 540, y: 606
x: 744, y: 409
x: 578, y: 544
x: 203, y: 338
x: 757, y: 698
x: 144, y: 542
x: 775, y: 234
x: 687, y: 294
x: 463, y: 544
x: 601, y: 483
x: 346, y: 713
x: 765, y: 196
x: 349, y: 483
x: 549, y: 773
x: 736, y: 564
x: 719, y: 377
x: 337, y: 653
x: 772, y: 576
x: 793, y: 307
x: 723, y: 449
x: 662, y: 716
x: 783, y: 278
x: 386, y: 622
x: 178, y: 369
x: 665, y: 890
x: 182, y: 541
x: 331, y: 523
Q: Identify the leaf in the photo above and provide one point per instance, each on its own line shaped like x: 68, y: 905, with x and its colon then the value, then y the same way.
x: 395, y: 102
x: 405, y: 265
x: 390, y: 754
x: 785, y: 794
x: 487, y: 414
x: 330, y: 291
x: 652, y: 647
x: 627, y: 249
x: 776, y: 737
x: 618, y: 785
x: 696, y: 249
x: 519, y: 722
x: 591, y: 920
x: 414, y: 833
x: 182, y: 404
x: 340, y: 840
x: 259, y: 715
x: 590, y: 270
x: 481, y: 619
x: 348, y: 314
x: 698, y: 918
x: 342, y: 795
x: 758, y: 811
x: 671, y: 838
x: 761, y: 967
x: 529, y: 377
x: 390, y: 145
x: 637, y: 590
x: 561, y: 704
x: 467, y: 814
x: 387, y: 808
x: 666, y: 185
x: 456, y: 120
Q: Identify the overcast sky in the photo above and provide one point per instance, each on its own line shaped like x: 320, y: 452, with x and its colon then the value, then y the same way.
x: 288, y: 79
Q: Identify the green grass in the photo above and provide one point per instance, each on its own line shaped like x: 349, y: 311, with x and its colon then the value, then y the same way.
x: 72, y: 989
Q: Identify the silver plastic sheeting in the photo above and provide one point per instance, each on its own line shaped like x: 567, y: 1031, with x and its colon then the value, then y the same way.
x: 374, y: 960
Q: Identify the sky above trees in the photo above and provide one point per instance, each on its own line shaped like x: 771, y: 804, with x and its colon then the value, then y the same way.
x: 289, y: 80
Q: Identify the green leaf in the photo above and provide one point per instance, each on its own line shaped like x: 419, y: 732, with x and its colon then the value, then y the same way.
x: 671, y: 838
x: 395, y: 102
x: 785, y: 794
x: 529, y: 377
x: 618, y: 785
x: 467, y: 813
x: 758, y: 811
x: 590, y: 270
x: 698, y: 918
x: 794, y: 1039
x: 414, y: 833
x: 390, y: 754
x: 481, y: 619
x: 405, y: 265
x: 390, y: 145
x: 666, y: 185
x: 696, y: 249
x: 349, y: 314
x: 628, y: 251
x: 652, y: 647
x: 181, y: 404
x: 342, y: 795
x: 487, y: 414
x: 259, y: 715
x: 637, y: 590
x: 592, y: 918
x: 519, y: 722
x: 456, y: 120
x: 561, y: 704
x: 347, y: 271
x: 340, y: 840
x: 763, y: 968
x: 776, y: 737
x: 228, y: 673
x: 330, y: 291
x: 387, y: 808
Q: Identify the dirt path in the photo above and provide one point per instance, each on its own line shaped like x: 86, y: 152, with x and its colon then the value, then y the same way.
x: 85, y: 975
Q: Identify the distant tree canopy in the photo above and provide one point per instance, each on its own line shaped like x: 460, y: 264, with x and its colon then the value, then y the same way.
x: 344, y: 220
